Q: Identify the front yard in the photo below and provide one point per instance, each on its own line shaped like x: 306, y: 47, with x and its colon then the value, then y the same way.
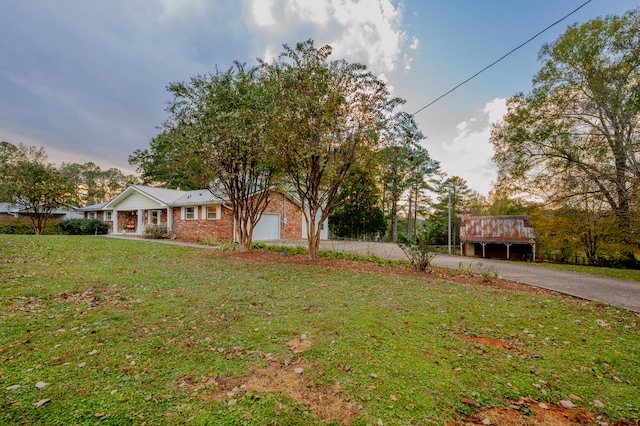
x: 105, y: 331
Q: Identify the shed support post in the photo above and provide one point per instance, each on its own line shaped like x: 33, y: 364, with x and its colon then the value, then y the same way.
x: 484, y: 254
x: 508, y: 247
x: 533, y: 245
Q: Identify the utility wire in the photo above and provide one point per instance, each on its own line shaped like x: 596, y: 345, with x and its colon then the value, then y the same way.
x: 502, y: 57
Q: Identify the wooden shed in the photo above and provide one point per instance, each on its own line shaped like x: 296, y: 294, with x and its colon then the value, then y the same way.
x: 498, y: 237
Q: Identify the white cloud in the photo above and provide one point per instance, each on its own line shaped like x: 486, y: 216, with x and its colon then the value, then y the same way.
x: 415, y: 44
x: 470, y: 153
x: 317, y: 12
x: 366, y: 31
x: 261, y: 11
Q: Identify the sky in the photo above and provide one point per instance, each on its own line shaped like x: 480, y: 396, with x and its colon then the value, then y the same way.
x: 87, y: 79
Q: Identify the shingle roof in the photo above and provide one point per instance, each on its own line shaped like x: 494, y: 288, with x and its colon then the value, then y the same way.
x: 197, y: 197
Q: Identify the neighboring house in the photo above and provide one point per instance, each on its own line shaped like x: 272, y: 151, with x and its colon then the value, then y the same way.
x: 14, y: 211
x: 498, y: 237
x: 194, y: 215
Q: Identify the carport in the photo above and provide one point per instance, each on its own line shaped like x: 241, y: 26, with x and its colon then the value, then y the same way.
x: 498, y: 237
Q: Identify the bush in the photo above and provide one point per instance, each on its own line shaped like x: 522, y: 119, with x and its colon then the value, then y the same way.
x: 418, y: 251
x: 83, y: 227
x: 25, y: 227
x: 16, y: 227
x: 617, y: 262
x: 156, y: 232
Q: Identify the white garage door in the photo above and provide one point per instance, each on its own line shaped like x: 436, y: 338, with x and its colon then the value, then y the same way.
x: 268, y: 228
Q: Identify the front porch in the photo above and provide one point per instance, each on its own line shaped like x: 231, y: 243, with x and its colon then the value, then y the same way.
x: 134, y: 222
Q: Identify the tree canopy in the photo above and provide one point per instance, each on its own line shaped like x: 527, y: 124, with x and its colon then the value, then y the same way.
x: 327, y: 111
x: 27, y: 181
x: 221, y: 123
x: 574, y: 138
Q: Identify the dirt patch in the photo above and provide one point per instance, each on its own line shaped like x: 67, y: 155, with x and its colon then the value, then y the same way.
x: 461, y: 277
x: 293, y: 379
x: 528, y: 412
x: 507, y: 345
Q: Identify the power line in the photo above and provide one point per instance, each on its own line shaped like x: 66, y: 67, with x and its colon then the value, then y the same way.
x: 502, y: 57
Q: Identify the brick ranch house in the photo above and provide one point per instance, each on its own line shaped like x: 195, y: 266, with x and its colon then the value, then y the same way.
x: 498, y: 237
x: 195, y: 215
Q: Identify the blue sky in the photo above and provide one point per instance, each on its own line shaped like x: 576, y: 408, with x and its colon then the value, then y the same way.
x: 87, y: 79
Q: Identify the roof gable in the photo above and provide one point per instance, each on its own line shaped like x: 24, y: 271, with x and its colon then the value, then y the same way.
x: 139, y: 196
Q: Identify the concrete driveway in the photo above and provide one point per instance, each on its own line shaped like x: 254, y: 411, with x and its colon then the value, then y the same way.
x: 620, y: 293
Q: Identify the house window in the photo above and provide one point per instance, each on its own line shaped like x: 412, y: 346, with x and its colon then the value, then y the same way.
x: 92, y: 215
x: 212, y: 212
x: 108, y: 215
x: 154, y: 218
x: 190, y: 213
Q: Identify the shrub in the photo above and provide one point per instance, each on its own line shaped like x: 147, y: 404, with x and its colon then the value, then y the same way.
x: 418, y: 251
x: 24, y: 226
x: 156, y: 232
x: 16, y: 227
x: 83, y: 227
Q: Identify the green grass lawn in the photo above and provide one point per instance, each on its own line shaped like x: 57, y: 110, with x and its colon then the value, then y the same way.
x: 623, y: 274
x: 108, y: 331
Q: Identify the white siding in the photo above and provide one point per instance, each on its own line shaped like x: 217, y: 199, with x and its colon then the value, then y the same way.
x: 137, y: 201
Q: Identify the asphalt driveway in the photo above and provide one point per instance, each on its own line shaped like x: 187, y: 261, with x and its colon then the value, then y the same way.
x: 621, y: 293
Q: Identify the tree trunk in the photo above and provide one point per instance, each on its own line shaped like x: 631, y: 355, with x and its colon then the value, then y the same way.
x: 409, y: 214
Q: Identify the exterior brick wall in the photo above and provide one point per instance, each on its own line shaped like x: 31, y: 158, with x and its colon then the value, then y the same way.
x: 222, y: 229
x: 292, y: 229
x: 197, y: 229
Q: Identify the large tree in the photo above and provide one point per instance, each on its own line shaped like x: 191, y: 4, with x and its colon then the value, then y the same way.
x: 454, y: 198
x: 327, y: 111
x: 172, y: 161
x: 218, y: 125
x: 94, y: 185
x: 403, y: 165
x: 359, y: 215
x: 580, y: 122
x: 35, y: 186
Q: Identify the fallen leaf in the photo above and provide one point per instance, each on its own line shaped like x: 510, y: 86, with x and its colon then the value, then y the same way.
x: 567, y: 404
x: 598, y: 403
x: 93, y: 352
x: 41, y: 402
x: 113, y: 391
x: 98, y: 415
x: 82, y: 364
x: 393, y: 398
x: 41, y: 385
x: 13, y: 387
x: 543, y: 406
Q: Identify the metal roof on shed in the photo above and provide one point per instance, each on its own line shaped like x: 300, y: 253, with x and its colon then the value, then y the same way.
x: 497, y: 229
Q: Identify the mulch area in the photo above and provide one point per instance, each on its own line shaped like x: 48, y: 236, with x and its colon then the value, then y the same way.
x: 460, y: 277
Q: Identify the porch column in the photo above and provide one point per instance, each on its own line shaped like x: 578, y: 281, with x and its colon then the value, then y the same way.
x: 115, y: 222
x: 169, y: 218
x: 140, y: 226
